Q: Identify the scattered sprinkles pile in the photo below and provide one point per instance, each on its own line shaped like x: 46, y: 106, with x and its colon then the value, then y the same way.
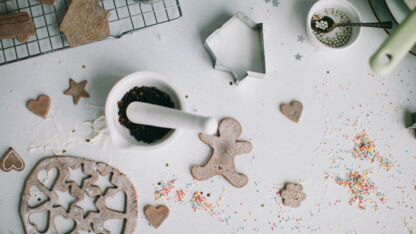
x: 163, y: 190
x: 199, y: 201
x: 180, y: 195
x: 364, y: 149
x: 360, y: 187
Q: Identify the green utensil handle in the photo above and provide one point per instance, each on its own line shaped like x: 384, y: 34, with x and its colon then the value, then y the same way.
x: 395, y: 48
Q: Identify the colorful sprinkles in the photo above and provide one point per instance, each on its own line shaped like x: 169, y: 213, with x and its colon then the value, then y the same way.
x: 163, y: 190
x: 360, y: 187
x: 199, y: 201
x: 180, y: 195
x: 364, y: 149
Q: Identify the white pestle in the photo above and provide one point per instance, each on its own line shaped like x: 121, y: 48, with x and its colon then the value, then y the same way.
x: 160, y: 116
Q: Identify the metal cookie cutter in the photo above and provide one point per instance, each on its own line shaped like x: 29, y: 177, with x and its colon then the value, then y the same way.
x: 238, y: 48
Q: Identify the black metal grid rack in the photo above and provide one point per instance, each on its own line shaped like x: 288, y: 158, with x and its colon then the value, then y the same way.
x: 126, y: 16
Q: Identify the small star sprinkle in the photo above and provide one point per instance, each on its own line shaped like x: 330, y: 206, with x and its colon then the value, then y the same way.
x: 298, y: 57
x: 301, y: 38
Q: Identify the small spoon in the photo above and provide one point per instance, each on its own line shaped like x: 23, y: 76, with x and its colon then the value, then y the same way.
x: 325, y: 24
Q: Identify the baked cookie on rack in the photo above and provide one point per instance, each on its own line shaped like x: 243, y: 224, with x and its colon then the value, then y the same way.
x: 18, y: 25
x: 85, y: 21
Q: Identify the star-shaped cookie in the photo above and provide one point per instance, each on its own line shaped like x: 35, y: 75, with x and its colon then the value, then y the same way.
x: 224, y: 149
x: 77, y: 90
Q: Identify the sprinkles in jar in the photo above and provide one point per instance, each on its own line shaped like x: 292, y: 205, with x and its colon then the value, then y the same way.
x: 338, y: 37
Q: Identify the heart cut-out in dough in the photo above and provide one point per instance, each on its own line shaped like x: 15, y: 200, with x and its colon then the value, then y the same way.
x: 36, y: 198
x: 117, y: 202
x: 48, y: 178
x: 114, y: 226
x: 40, y: 221
x: 64, y: 225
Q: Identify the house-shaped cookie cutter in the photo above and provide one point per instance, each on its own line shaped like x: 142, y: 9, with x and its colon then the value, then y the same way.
x: 412, y: 121
x: 238, y: 48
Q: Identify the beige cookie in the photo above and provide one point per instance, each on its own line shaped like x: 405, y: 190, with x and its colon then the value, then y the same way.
x: 292, y: 110
x: 18, y: 25
x: 85, y: 21
x: 156, y: 215
x: 292, y: 195
x: 77, y: 90
x: 224, y: 149
x: 11, y: 161
x: 40, y: 106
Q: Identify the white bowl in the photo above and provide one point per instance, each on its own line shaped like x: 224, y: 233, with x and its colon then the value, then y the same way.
x: 120, y: 135
x: 342, y: 5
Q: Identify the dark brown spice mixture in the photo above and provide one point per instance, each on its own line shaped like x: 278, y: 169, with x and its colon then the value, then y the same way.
x: 144, y: 133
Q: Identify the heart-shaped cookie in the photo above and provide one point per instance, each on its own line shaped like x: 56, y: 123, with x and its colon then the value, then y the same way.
x: 292, y: 110
x: 156, y: 215
x: 11, y: 160
x: 40, y: 106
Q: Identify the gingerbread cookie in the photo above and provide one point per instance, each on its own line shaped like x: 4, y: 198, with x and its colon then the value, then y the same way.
x: 96, y: 183
x: 292, y: 195
x: 40, y: 106
x: 77, y: 90
x: 11, y: 161
x: 224, y: 148
x: 18, y: 25
x: 156, y: 215
x: 292, y: 111
x: 85, y: 21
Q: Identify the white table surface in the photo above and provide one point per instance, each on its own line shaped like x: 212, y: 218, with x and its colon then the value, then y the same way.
x: 340, y: 94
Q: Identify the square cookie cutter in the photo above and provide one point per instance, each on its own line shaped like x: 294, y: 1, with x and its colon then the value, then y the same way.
x: 238, y: 48
x: 126, y: 16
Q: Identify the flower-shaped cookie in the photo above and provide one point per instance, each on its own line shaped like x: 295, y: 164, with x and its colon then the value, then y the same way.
x: 292, y: 195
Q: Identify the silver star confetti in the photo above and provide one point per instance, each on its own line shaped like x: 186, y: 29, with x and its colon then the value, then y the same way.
x: 301, y: 38
x: 274, y: 2
x: 298, y: 57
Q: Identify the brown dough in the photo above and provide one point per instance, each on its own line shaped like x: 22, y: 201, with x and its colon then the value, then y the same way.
x: 224, y: 148
x: 156, y: 215
x: 292, y: 111
x: 18, y: 25
x: 11, y: 160
x: 93, y: 221
x: 85, y: 21
x: 40, y: 106
x: 77, y: 90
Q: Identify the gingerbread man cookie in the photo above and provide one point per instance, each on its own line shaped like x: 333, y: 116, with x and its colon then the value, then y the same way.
x: 225, y: 147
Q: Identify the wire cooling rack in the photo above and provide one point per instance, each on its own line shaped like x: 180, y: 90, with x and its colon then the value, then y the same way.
x: 126, y: 16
